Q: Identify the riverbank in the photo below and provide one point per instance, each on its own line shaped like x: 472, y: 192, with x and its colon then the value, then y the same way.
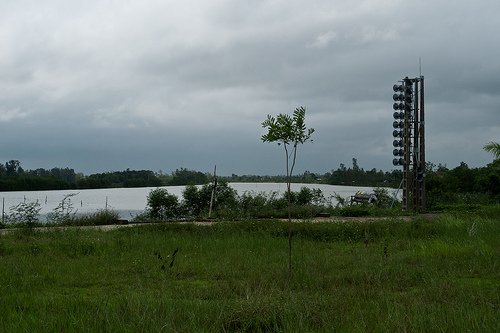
x: 207, y: 221
x: 129, y: 202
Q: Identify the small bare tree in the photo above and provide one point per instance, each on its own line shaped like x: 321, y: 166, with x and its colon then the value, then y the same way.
x: 289, y: 131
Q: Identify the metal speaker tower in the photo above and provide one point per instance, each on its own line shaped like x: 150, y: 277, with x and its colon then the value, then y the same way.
x: 409, y: 140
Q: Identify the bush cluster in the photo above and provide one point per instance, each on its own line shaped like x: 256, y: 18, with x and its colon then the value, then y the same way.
x: 462, y: 186
x: 27, y: 214
x: 228, y: 204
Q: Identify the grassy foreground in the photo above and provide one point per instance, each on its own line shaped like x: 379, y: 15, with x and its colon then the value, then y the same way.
x: 389, y: 275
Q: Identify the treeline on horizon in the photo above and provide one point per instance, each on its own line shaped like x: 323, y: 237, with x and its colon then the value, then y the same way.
x: 442, y: 184
x: 14, y: 178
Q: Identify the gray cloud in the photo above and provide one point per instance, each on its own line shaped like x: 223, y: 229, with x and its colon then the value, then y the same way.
x: 110, y: 85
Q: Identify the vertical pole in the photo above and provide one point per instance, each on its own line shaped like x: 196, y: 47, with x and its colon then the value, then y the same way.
x: 3, y: 209
x: 422, y: 143
x: 212, y: 199
x: 406, y: 157
x: 416, y: 153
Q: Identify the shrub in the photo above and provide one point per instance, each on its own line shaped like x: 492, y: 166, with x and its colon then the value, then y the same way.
x: 309, y: 196
x: 306, y: 203
x: 101, y: 217
x: 162, y: 205
x: 63, y: 213
x: 25, y: 214
x: 192, y: 202
x: 197, y: 200
x: 257, y: 204
x: 354, y: 211
x: 384, y: 200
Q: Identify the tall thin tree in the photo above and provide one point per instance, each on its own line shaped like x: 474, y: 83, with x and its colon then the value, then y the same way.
x: 289, y: 131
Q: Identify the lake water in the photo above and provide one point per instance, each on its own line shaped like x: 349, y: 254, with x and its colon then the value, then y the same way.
x: 129, y: 202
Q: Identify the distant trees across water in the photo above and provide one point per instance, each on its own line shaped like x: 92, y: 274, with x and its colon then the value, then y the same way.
x: 14, y: 178
x: 461, y: 185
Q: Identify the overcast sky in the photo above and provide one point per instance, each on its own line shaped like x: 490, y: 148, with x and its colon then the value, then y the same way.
x: 103, y: 85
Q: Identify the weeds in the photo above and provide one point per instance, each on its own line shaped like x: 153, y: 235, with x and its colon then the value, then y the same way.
x: 386, y: 243
x: 4, y: 250
x: 101, y: 217
x: 63, y: 213
x: 164, y: 261
x: 25, y: 214
x: 385, y: 275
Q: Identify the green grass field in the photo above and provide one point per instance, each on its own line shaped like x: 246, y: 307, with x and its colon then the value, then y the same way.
x: 440, y: 275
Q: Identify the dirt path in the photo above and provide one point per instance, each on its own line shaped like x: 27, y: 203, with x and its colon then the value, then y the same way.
x: 126, y: 224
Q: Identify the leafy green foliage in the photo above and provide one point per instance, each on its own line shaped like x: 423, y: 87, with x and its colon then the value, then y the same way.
x: 193, y: 200
x: 13, y: 168
x: 63, y: 213
x: 185, y: 176
x: 162, y: 205
x: 494, y: 148
x: 30, y: 183
x: 101, y: 217
x: 288, y: 131
x: 304, y: 204
x: 462, y: 185
x: 197, y: 200
x: 384, y: 200
x: 127, y: 178
x: 25, y: 214
x: 354, y: 211
x: 14, y: 178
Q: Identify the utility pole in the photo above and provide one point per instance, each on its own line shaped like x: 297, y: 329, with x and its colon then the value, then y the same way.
x: 214, y: 192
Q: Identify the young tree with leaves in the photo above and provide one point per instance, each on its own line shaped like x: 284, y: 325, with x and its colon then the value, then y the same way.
x: 289, y: 131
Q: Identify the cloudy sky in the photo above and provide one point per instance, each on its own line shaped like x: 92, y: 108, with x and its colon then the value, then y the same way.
x: 103, y: 85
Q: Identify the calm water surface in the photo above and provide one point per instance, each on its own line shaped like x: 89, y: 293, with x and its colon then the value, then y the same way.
x: 129, y: 202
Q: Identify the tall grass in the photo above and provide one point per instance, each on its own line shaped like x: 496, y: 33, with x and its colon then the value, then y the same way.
x: 387, y: 275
